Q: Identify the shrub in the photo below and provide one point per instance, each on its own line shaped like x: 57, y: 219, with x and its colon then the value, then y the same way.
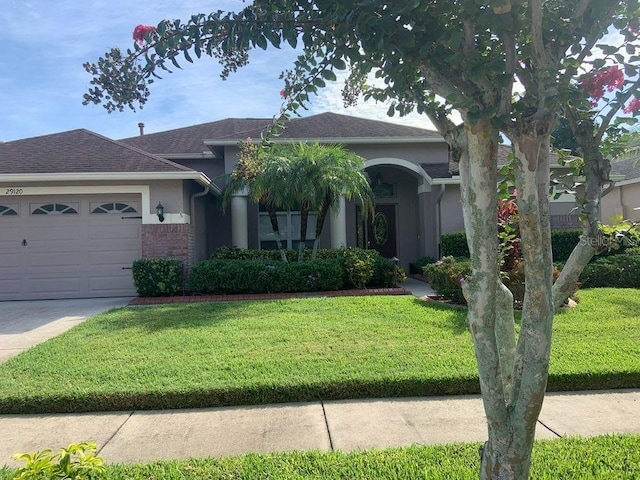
x: 258, y: 276
x: 621, y: 271
x: 446, y: 276
x: 78, y: 461
x: 157, y: 277
x: 386, y: 273
x: 514, y: 280
x: 358, y: 266
x: 418, y: 265
x: 563, y: 242
x: 454, y: 245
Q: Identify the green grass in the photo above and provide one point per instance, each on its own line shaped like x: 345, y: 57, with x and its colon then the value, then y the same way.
x: 235, y: 353
x: 605, y: 457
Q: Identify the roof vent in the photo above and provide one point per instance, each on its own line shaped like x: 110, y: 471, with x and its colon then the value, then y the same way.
x: 141, y: 127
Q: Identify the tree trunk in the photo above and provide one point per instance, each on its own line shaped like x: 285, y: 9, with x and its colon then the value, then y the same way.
x: 507, y: 453
x: 273, y: 217
x: 596, y: 172
x: 304, y: 221
x: 322, y: 215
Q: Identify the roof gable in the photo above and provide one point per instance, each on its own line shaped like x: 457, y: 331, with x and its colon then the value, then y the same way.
x: 78, y: 151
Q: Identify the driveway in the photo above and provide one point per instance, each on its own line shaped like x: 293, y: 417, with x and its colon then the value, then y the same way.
x: 27, y: 323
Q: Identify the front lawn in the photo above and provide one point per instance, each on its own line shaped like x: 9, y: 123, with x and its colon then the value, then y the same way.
x: 605, y: 457
x: 212, y: 354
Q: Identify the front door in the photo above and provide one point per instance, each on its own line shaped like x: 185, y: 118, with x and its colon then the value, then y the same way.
x: 381, y: 232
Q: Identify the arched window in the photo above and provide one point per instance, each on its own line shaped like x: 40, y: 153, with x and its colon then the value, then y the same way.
x: 55, y: 209
x: 113, y: 207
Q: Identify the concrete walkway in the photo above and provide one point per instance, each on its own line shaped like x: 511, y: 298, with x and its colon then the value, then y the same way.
x: 143, y: 436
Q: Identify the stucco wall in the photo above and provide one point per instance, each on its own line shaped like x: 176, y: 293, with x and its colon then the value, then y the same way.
x: 623, y: 199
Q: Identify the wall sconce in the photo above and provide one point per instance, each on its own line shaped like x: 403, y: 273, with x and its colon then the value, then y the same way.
x: 160, y: 212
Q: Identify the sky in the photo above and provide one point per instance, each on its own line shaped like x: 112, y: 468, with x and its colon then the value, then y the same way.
x: 44, y: 43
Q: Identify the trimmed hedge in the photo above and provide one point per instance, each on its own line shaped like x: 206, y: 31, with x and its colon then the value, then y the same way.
x: 454, y: 245
x: 157, y: 277
x: 620, y: 271
x: 562, y: 243
x: 418, y: 265
x: 260, y: 276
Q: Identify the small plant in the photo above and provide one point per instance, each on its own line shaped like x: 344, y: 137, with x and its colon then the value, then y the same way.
x: 78, y: 461
x: 446, y: 277
x: 358, y: 265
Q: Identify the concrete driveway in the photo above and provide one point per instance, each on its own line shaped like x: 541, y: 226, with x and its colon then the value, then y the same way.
x: 27, y: 323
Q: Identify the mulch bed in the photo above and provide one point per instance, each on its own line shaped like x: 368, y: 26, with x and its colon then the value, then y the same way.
x: 266, y: 296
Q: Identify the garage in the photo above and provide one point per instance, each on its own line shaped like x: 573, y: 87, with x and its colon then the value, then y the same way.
x: 68, y: 246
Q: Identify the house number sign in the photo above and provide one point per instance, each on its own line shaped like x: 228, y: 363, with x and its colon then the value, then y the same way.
x: 12, y: 191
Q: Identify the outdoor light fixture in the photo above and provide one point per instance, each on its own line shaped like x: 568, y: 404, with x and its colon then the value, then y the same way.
x: 160, y: 212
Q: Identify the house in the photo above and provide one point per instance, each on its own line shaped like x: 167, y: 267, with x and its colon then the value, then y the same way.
x: 76, y: 208
x: 624, y: 199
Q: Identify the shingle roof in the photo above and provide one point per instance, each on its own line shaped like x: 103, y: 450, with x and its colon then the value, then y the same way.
x: 437, y: 170
x: 78, y: 151
x: 189, y: 140
x: 629, y: 167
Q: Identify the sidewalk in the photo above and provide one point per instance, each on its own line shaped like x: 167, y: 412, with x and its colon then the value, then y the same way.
x: 143, y: 436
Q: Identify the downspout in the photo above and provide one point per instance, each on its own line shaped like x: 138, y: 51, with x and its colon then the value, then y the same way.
x: 439, y: 218
x: 192, y: 206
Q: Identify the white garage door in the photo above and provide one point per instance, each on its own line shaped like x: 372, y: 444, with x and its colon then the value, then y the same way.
x: 68, y: 247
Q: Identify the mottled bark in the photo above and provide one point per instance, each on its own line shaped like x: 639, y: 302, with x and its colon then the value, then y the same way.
x: 597, y: 184
x: 507, y: 454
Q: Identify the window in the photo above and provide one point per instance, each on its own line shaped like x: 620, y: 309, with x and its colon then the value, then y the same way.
x: 8, y: 210
x: 112, y: 207
x: 289, y: 227
x: 55, y: 209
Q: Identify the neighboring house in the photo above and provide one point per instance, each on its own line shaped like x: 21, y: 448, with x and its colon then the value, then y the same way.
x: 624, y: 199
x: 76, y: 208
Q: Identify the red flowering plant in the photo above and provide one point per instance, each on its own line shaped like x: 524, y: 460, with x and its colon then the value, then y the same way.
x: 140, y: 33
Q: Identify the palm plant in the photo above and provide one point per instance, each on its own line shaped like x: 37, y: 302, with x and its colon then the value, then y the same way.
x: 266, y: 177
x: 304, y: 176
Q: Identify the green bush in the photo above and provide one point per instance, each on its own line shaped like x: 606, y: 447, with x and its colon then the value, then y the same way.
x: 157, y: 277
x: 446, y: 277
x: 418, y: 265
x: 258, y: 276
x: 563, y: 242
x: 454, y: 245
x: 621, y: 271
x: 386, y: 273
x: 78, y: 461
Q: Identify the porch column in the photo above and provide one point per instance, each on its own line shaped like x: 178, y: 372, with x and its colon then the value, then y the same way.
x: 339, y: 225
x: 239, y: 221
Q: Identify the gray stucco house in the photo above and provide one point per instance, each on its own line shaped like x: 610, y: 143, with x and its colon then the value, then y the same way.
x: 76, y: 208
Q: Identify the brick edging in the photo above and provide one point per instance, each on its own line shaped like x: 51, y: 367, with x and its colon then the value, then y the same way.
x: 266, y: 296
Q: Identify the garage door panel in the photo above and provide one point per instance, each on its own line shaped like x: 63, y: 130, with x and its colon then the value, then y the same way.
x: 124, y: 258
x: 55, y: 259
x: 111, y: 283
x: 60, y: 284
x: 10, y: 260
x: 117, y: 231
x: 10, y: 287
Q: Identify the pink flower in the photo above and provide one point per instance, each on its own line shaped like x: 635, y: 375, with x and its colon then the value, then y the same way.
x: 283, y: 94
x: 140, y: 32
x: 611, y: 79
x: 634, y: 106
x: 249, y: 140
